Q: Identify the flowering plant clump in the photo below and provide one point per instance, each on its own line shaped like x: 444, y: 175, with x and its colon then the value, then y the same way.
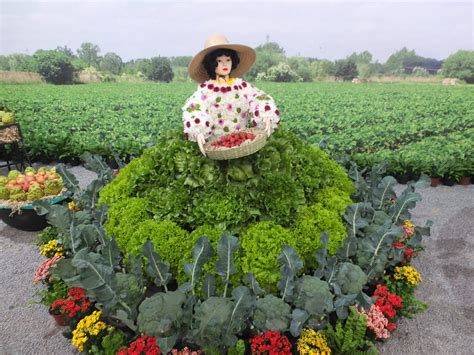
x: 89, y: 332
x: 388, y: 303
x: 377, y: 322
x: 271, y: 343
x: 75, y: 304
x: 409, y: 253
x: 143, y: 345
x: 51, y: 249
x: 313, y: 342
x: 408, y: 274
x: 42, y: 272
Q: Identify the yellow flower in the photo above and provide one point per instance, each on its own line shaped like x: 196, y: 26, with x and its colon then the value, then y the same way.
x: 228, y: 82
x: 71, y: 205
x: 87, y: 327
x: 51, y: 249
x: 407, y: 273
x: 407, y: 223
x: 312, y: 342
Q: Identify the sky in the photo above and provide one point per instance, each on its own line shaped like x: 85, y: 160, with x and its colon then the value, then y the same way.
x: 319, y: 29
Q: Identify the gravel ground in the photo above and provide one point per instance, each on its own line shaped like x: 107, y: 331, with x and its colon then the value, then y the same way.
x: 447, y: 267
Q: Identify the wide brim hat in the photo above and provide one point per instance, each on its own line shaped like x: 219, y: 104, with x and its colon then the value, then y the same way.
x: 246, y: 54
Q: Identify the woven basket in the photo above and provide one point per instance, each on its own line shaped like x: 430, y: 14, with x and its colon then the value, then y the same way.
x: 9, y: 134
x: 247, y: 148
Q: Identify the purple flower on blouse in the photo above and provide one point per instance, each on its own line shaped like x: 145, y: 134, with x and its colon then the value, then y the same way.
x: 242, y: 115
x: 193, y: 106
x: 216, y: 105
x: 221, y: 122
x: 203, y: 97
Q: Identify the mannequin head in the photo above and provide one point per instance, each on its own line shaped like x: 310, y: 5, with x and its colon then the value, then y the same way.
x: 221, y: 62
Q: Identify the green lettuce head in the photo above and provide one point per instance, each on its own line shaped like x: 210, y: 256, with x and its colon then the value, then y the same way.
x: 4, y: 193
x: 34, y: 193
x: 13, y: 174
x: 52, y: 187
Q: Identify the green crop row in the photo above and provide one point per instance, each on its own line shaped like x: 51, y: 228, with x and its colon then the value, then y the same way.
x: 417, y: 127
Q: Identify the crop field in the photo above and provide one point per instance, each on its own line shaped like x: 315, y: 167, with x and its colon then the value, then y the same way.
x: 418, y: 128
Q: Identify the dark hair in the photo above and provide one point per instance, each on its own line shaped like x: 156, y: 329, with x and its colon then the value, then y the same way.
x: 210, y: 60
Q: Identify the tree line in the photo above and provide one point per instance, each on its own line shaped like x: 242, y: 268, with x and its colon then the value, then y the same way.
x: 61, y: 65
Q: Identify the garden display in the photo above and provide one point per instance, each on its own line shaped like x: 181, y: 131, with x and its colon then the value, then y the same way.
x: 283, y: 251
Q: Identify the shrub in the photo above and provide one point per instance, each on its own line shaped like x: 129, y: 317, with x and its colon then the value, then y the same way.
x: 333, y: 199
x: 54, y: 66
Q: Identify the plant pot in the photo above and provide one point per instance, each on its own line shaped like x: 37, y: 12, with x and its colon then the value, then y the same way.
x: 59, y: 318
x: 465, y: 180
x: 435, y: 181
x: 27, y: 219
x: 448, y: 181
x: 401, y: 179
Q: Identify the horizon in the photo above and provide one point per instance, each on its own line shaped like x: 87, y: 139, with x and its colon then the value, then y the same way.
x: 321, y: 29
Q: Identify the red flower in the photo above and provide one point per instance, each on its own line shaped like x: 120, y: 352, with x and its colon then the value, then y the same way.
x: 186, y: 136
x: 223, y: 89
x: 188, y: 124
x: 398, y: 245
x: 216, y: 89
x: 244, y: 84
x: 197, y: 121
x: 207, y: 123
x: 267, y: 108
x: 270, y: 342
x: 254, y: 123
x: 257, y: 113
x: 210, y: 86
x: 235, y: 87
x: 144, y: 344
x: 202, y: 85
x: 277, y: 112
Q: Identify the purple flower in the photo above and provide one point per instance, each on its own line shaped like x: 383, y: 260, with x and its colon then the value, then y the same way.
x: 203, y: 97
x: 221, y: 122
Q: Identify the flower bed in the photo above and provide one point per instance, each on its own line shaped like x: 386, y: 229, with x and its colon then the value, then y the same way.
x: 322, y: 301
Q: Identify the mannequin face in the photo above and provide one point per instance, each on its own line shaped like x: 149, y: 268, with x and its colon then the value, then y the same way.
x: 224, y: 66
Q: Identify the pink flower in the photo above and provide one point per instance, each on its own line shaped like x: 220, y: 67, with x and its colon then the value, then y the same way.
x: 221, y: 122
x: 377, y: 322
x: 229, y: 107
x: 203, y: 97
x: 216, y: 105
x: 242, y: 115
x: 43, y: 269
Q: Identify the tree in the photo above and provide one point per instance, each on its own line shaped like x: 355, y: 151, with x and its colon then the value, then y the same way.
x: 271, y: 47
x: 54, y: 66
x: 268, y: 55
x: 322, y: 68
x: 67, y: 51
x: 159, y: 69
x: 282, y: 73
x: 111, y: 63
x: 346, y: 69
x: 301, y: 67
x: 17, y: 62
x: 460, y: 65
x: 180, y: 61
x: 89, y: 53
x: 364, y: 57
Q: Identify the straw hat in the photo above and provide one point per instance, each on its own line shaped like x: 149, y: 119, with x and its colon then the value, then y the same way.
x: 246, y: 54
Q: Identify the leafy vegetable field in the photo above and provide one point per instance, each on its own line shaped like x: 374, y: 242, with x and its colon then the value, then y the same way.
x: 416, y: 127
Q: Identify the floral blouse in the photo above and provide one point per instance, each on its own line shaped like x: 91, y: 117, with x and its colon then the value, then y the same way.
x: 217, y: 109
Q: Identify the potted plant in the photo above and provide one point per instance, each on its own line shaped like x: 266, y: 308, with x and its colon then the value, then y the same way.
x: 56, y: 289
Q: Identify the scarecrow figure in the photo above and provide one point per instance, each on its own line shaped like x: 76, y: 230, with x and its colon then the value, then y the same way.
x: 223, y: 102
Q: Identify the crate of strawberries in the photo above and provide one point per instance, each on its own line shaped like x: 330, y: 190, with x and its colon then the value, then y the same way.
x: 236, y: 145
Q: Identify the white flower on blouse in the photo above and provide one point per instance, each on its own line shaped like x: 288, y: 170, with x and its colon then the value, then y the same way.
x: 220, y: 108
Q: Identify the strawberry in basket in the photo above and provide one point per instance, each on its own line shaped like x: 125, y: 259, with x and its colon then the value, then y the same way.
x: 233, y: 140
